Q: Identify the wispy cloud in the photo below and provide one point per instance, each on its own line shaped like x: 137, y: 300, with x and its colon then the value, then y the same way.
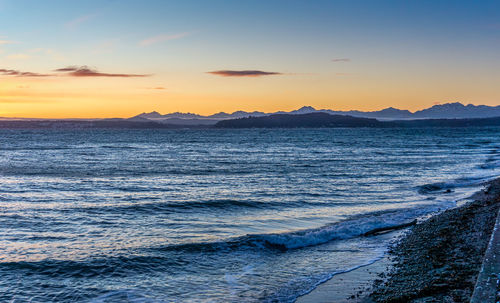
x: 162, y: 38
x: 242, y: 73
x: 16, y: 73
x: 82, y: 19
x: 85, y: 71
x: 71, y: 71
x: 156, y: 88
x: 341, y: 60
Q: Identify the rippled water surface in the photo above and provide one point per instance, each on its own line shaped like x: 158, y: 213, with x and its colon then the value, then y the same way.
x: 216, y: 215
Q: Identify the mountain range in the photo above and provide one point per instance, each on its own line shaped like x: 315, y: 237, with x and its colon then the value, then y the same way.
x: 442, y: 111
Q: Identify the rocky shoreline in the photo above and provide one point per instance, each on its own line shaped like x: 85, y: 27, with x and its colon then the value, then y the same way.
x: 438, y: 260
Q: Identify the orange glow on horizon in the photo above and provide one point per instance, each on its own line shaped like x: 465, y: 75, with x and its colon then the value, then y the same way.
x: 201, y: 93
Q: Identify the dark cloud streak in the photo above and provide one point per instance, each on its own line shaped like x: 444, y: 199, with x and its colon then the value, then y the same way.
x: 16, y: 73
x: 243, y: 73
x: 72, y: 71
x: 67, y: 69
x: 85, y: 71
x: 341, y: 60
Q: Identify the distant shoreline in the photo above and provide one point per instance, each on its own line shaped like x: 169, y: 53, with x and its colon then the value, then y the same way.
x: 324, y: 120
x: 312, y: 120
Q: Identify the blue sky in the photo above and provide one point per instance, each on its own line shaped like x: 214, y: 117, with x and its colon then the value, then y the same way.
x: 409, y: 54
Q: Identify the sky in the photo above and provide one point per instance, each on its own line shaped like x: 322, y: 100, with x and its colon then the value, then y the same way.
x: 95, y: 59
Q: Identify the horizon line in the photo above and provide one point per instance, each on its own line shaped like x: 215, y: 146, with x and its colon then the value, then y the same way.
x: 247, y: 111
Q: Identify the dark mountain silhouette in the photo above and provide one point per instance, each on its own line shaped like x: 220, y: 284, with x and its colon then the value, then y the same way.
x: 151, y: 115
x: 388, y: 113
x: 466, y: 115
x: 237, y: 114
x: 444, y: 111
x: 155, y: 115
x: 458, y: 110
x: 304, y: 110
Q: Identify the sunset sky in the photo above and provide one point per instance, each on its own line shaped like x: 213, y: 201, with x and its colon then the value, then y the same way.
x: 69, y: 59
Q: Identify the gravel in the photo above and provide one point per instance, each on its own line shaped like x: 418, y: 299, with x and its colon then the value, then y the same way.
x: 438, y: 260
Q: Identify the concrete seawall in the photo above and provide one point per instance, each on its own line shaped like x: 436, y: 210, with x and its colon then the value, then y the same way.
x: 486, y: 287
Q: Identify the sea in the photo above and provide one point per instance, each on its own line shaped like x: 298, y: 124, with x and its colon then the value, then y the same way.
x: 217, y: 215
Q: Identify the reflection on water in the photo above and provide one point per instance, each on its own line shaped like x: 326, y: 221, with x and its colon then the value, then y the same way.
x: 212, y: 215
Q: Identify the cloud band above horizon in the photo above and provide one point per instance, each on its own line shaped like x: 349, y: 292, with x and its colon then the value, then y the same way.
x: 71, y: 71
x: 85, y: 71
x: 243, y: 73
x: 16, y: 73
x: 341, y: 60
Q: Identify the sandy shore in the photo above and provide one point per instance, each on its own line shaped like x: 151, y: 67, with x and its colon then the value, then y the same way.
x: 439, y: 259
x: 347, y: 287
x: 351, y: 286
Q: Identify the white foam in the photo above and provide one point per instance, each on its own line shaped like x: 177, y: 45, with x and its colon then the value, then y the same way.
x: 346, y: 229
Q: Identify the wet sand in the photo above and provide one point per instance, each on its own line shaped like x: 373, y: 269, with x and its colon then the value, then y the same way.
x: 352, y: 286
x: 347, y: 287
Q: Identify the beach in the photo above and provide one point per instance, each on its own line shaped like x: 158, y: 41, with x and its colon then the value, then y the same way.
x: 439, y: 259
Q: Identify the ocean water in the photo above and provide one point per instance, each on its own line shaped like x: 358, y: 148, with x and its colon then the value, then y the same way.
x: 258, y: 215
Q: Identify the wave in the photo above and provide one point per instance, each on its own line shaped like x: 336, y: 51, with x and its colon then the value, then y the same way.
x: 491, y: 162
x: 34, y: 148
x: 199, y: 206
x: 86, y: 169
x: 461, y: 182
x: 170, y: 257
x: 122, y: 266
x: 347, y: 229
x: 342, y: 230
x: 167, y: 207
x: 435, y: 187
x: 120, y: 147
